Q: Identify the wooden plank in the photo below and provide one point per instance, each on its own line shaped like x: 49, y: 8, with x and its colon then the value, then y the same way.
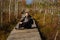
x: 26, y: 34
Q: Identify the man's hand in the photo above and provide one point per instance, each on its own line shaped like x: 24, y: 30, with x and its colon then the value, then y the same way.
x: 20, y: 22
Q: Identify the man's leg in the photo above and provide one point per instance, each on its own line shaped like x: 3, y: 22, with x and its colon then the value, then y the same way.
x: 24, y: 24
x: 21, y: 26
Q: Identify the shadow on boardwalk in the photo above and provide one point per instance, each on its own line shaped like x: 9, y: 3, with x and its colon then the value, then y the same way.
x: 40, y: 33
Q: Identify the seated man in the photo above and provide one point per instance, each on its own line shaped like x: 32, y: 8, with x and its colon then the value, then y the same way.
x: 26, y: 21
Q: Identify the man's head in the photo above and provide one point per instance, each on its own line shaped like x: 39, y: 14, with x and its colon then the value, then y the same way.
x: 26, y: 14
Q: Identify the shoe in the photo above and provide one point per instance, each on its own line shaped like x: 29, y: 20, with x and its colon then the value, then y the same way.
x: 16, y: 28
x: 21, y: 28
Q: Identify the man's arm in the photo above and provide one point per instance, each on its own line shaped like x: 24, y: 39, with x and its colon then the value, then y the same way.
x: 22, y: 19
x: 31, y: 20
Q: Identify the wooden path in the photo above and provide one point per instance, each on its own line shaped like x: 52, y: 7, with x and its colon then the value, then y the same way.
x: 26, y: 34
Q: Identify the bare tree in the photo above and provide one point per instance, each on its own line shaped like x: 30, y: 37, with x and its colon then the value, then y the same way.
x: 1, y: 13
x: 16, y: 8
x: 23, y: 3
x: 9, y: 9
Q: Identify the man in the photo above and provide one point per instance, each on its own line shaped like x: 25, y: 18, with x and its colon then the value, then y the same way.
x: 26, y: 22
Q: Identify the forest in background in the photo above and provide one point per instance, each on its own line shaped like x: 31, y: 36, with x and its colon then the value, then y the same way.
x: 45, y: 12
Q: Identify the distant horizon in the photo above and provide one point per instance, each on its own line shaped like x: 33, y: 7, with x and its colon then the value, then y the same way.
x: 29, y: 1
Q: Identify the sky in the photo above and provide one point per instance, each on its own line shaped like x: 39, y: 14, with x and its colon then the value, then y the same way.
x: 28, y: 1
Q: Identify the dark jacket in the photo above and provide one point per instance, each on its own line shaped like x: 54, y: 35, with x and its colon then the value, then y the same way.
x: 27, y: 19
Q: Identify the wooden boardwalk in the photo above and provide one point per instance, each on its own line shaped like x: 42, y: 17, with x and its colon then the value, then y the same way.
x: 26, y: 34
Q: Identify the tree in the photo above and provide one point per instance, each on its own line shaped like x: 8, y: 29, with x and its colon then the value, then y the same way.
x: 9, y: 9
x: 1, y: 12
